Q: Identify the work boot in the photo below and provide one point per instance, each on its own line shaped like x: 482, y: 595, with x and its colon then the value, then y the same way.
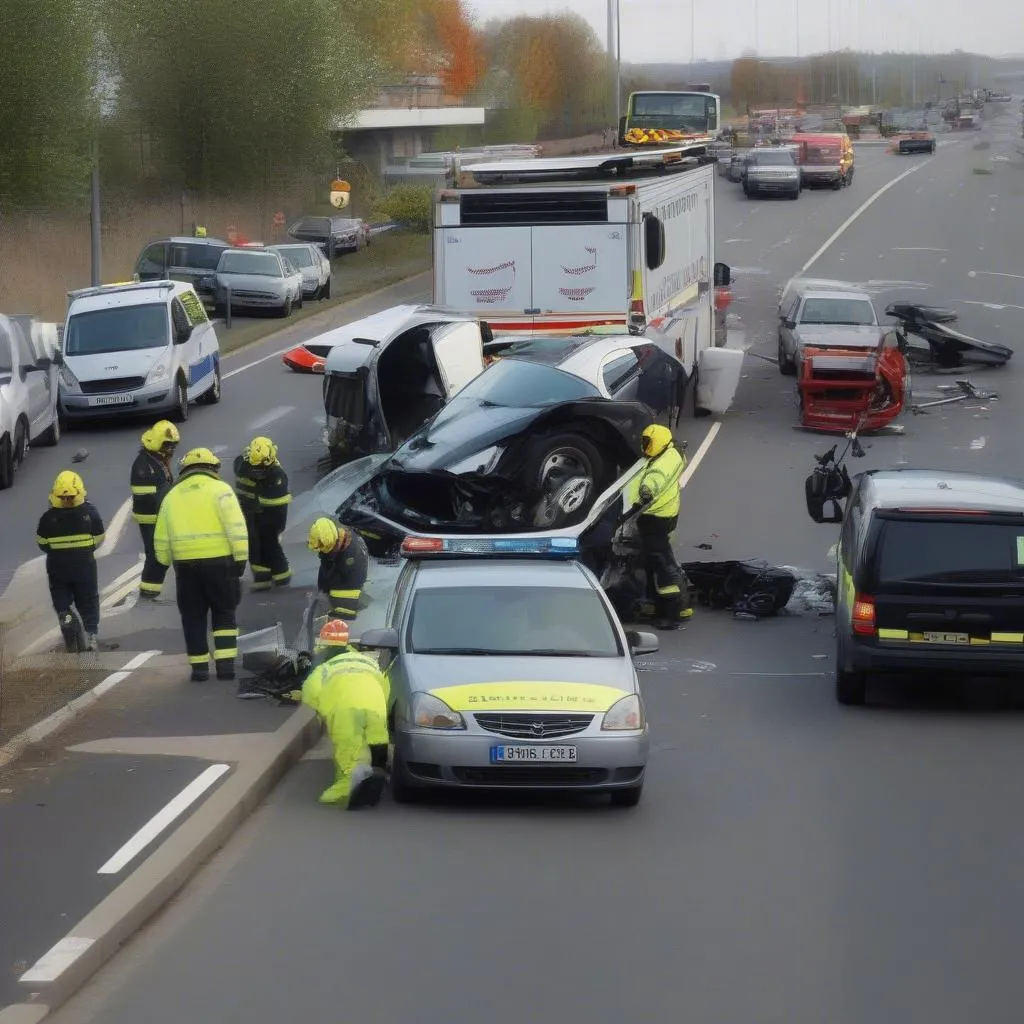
x: 69, y: 632
x: 668, y: 625
x: 91, y: 642
x: 200, y: 673
x: 368, y: 791
x: 147, y: 595
x: 226, y: 669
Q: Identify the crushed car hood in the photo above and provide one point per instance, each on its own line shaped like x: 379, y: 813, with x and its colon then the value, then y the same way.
x: 839, y: 336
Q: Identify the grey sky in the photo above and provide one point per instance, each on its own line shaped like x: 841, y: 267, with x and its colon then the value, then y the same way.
x: 659, y: 30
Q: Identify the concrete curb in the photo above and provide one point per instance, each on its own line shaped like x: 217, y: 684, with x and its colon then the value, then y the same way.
x: 110, y: 925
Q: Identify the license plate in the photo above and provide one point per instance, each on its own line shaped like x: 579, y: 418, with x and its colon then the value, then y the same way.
x: 111, y: 400
x: 947, y: 638
x: 504, y: 754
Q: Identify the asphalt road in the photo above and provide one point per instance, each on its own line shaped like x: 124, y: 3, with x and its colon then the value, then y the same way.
x: 786, y: 864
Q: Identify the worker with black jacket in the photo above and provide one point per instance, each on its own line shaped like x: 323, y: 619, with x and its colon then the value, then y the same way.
x: 344, y: 563
x: 151, y: 477
x: 262, y: 488
x: 200, y: 530
x: 69, y: 532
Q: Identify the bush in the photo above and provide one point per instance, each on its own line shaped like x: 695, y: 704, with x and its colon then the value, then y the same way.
x: 410, y: 206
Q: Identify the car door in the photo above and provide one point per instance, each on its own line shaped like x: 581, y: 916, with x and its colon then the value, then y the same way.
x: 458, y: 350
x: 191, y: 353
x: 662, y: 384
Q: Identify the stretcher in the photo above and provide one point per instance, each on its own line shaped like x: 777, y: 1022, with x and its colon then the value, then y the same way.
x: 844, y: 390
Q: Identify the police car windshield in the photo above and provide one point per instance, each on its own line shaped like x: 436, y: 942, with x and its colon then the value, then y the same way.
x: 523, y: 621
x: 518, y: 384
x: 120, y: 329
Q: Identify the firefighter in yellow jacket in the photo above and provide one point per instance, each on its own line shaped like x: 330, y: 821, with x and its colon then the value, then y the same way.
x: 151, y: 477
x: 262, y: 488
x: 656, y: 491
x: 351, y: 694
x: 200, y: 530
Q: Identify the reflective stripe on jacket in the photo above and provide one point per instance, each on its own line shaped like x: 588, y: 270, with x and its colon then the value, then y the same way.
x: 349, y: 664
x: 150, y: 480
x: 342, y: 575
x: 200, y: 518
x: 661, y: 477
x: 263, y: 491
x: 70, y: 535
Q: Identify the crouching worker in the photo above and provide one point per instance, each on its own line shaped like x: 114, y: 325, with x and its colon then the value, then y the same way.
x: 656, y: 491
x: 350, y: 694
x: 344, y: 562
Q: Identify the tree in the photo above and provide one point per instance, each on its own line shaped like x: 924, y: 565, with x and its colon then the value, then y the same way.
x: 48, y: 104
x: 743, y: 82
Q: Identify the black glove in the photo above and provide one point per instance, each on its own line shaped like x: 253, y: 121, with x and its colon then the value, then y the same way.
x: 240, y: 569
x: 379, y: 756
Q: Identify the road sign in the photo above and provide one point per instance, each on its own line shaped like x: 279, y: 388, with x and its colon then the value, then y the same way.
x: 341, y: 193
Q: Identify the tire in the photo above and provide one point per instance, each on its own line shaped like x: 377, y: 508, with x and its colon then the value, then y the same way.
x: 180, y: 414
x: 325, y: 292
x: 561, y: 458
x: 627, y: 797
x: 50, y: 437
x: 286, y: 309
x: 849, y: 176
x: 213, y: 395
x: 931, y: 148
x: 837, y: 184
x: 795, y: 194
x: 403, y: 791
x: 851, y: 687
x: 6, y: 464
x: 300, y: 300
x: 787, y: 366
x: 20, y: 443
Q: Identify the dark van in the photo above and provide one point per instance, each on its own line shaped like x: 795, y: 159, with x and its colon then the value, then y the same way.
x: 181, y: 259
x: 930, y: 572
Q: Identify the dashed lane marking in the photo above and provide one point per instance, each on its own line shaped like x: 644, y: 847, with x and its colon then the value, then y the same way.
x: 271, y: 416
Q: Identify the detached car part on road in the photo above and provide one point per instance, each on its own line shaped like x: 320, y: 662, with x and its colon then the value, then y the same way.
x: 137, y: 349
x: 927, y: 338
x: 29, y: 358
x: 509, y: 670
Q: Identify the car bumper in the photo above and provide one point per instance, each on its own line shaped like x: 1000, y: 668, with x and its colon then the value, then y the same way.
x: 253, y: 301
x: 153, y: 398
x: 463, y: 761
x: 895, y: 657
x: 301, y: 360
x: 821, y: 177
x: 774, y: 186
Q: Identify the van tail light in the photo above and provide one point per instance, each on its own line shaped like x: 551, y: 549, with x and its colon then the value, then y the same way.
x: 637, y: 316
x: 864, y: 615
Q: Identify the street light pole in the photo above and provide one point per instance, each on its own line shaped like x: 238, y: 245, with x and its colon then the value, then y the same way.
x: 693, y: 35
x: 618, y: 60
x: 95, y: 240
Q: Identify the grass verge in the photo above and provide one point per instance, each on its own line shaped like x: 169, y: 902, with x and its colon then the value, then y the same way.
x: 391, y: 257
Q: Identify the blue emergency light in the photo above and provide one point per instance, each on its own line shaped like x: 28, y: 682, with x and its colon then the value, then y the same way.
x: 550, y: 547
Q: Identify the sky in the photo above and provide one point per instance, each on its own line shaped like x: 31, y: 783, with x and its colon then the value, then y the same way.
x: 658, y: 31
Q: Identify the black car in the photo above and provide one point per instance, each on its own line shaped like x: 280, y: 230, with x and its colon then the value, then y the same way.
x: 527, y: 445
x: 334, y: 235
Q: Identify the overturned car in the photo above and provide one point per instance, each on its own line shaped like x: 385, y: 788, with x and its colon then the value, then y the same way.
x: 528, y: 445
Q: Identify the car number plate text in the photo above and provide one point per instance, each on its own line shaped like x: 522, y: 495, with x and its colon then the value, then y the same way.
x: 111, y: 400
x: 947, y: 638
x: 506, y: 754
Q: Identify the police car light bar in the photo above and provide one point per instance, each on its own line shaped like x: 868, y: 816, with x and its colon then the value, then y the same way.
x: 563, y: 547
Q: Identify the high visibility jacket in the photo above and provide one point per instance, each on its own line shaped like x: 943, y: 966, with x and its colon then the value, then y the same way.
x: 69, y: 536
x: 342, y: 575
x: 150, y: 480
x: 661, y: 477
x: 263, y: 492
x: 199, y: 519
x: 350, y: 663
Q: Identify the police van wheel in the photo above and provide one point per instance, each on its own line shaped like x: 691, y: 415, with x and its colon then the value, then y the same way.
x: 180, y: 402
x: 6, y: 464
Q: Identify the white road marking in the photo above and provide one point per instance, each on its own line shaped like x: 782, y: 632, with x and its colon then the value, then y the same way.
x: 829, y: 242
x: 977, y: 444
x: 271, y: 416
x: 699, y: 454
x: 51, y: 965
x: 997, y: 306
x: 917, y: 248
x: 115, y: 528
x: 261, y: 360
x: 164, y: 818
x: 994, y: 273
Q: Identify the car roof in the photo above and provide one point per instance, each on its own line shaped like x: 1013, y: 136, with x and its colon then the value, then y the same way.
x: 190, y: 240
x: 500, y: 572
x: 943, y: 489
x: 87, y: 300
x: 258, y: 249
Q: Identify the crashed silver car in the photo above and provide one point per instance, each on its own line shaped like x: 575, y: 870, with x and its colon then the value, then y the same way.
x: 818, y: 313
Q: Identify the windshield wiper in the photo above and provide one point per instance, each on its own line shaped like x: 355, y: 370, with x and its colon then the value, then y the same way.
x: 555, y: 652
x: 456, y: 650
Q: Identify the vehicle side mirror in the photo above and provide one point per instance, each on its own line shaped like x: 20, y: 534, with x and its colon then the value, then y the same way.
x: 654, y: 241
x: 182, y: 334
x: 379, y: 639
x: 788, y: 322
x: 723, y: 275
x: 58, y: 358
x: 641, y: 643
x: 42, y: 364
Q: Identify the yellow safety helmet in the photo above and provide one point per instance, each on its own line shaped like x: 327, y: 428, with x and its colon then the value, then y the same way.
x: 160, y: 436
x: 199, y: 458
x: 655, y: 439
x: 324, y: 535
x: 261, y: 452
x: 68, y: 490
x: 333, y: 634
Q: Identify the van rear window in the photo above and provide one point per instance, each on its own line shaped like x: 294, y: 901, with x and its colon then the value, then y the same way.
x: 979, y: 551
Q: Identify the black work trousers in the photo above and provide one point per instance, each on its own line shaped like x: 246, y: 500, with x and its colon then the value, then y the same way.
x: 266, y: 556
x: 208, y: 592
x: 77, y: 586
x: 664, y: 577
x: 153, y: 572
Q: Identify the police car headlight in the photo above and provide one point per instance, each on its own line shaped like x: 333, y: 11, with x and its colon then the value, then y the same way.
x: 429, y: 712
x: 624, y: 714
x: 158, y: 373
x: 68, y: 380
x: 482, y: 462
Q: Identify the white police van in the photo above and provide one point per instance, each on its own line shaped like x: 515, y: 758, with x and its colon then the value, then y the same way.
x: 140, y: 348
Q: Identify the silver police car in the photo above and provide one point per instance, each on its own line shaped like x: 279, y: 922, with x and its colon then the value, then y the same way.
x: 510, y: 670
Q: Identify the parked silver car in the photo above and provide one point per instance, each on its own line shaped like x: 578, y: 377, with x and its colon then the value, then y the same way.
x: 774, y: 172
x: 258, y: 279
x: 312, y: 264
x: 824, y: 314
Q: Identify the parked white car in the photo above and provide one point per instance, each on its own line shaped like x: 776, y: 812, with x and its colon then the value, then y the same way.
x: 312, y: 264
x: 29, y: 356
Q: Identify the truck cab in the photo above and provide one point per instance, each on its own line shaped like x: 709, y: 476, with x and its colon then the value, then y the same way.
x: 693, y: 112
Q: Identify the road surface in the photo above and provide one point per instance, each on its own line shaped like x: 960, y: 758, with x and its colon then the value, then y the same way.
x: 792, y: 860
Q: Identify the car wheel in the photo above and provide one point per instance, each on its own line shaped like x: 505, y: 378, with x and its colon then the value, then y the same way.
x: 212, y: 396
x: 795, y: 194
x: 787, y: 366
x: 286, y: 309
x: 6, y: 464
x: 300, y: 300
x: 837, y: 184
x: 569, y: 472
x: 51, y: 436
x: 627, y: 797
x: 403, y: 791
x: 180, y: 401
x: 851, y: 687
x: 20, y: 443
x: 326, y: 291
